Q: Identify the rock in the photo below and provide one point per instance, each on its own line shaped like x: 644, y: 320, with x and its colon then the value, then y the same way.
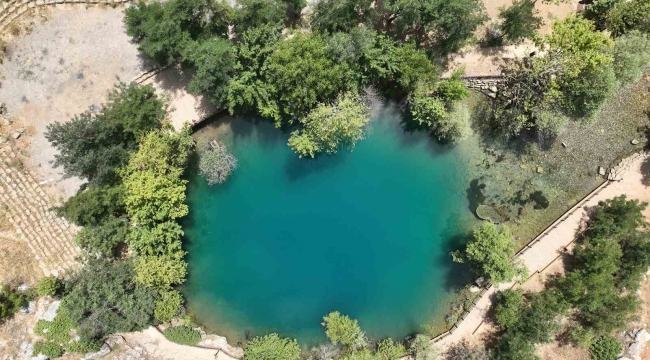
x: 564, y: 145
x: 3, y: 139
x: 29, y: 309
x: 474, y: 289
x: 493, y: 89
x: 3, y: 108
x: 16, y: 134
x: 634, y: 142
x: 51, y: 311
x: 601, y: 171
x: 105, y: 349
x: 6, y: 122
x: 23, y: 287
x: 489, y: 213
x: 479, y: 281
x: 540, y: 170
x: 492, y: 95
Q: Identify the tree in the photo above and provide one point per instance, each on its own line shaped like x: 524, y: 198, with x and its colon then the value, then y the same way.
x: 272, y: 347
x: 256, y: 13
x: 490, y: 253
x: 453, y: 88
x: 427, y: 110
x: 162, y: 239
x: 93, y: 206
x: 388, y: 350
x: 629, y: 15
x: 154, y: 189
x: 462, y: 350
x: 101, y: 240
x: 513, y: 346
x: 169, y: 306
x: 248, y: 90
x: 340, y: 329
x: 49, y: 286
x: 331, y: 16
x: 214, y: 61
x: 329, y: 128
x: 162, y: 30
x: 447, y: 25
x: 598, y: 12
x: 301, y: 75
x: 93, y: 146
x: 422, y: 349
x: 102, y: 298
x: 160, y: 272
x: 216, y: 164
x: 605, y: 348
x: 519, y: 20
x: 631, y: 57
x: 508, y: 308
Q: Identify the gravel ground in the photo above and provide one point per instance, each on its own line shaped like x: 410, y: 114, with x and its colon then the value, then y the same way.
x: 63, y: 67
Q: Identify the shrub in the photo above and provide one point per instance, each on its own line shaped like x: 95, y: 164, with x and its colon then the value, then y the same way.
x: 272, y: 347
x: 631, y: 57
x: 427, y: 110
x: 11, y: 301
x: 549, y: 124
x: 388, y: 350
x: 340, y: 329
x: 216, y: 164
x: 169, y: 306
x: 100, y: 240
x: 422, y: 349
x: 605, y: 348
x: 49, y: 349
x: 49, y: 286
x: 182, y: 335
x: 456, y: 125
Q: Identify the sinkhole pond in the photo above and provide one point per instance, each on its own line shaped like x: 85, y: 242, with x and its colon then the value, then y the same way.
x: 286, y: 240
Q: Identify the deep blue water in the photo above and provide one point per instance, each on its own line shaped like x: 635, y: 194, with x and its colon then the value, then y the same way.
x: 286, y: 240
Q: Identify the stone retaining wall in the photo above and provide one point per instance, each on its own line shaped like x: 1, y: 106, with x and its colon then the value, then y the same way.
x: 12, y: 9
x: 483, y: 83
x: 50, y: 238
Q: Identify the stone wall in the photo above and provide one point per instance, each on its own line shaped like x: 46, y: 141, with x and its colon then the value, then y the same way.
x: 12, y: 9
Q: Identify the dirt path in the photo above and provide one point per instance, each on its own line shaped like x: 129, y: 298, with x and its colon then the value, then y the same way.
x: 634, y: 181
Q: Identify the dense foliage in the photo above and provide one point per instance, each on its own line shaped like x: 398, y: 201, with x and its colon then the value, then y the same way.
x: 183, y: 335
x: 93, y: 146
x: 11, y: 301
x: 519, y: 21
x: 490, y: 254
x: 340, y: 329
x: 421, y: 348
x: 272, y: 347
x: 49, y: 286
x: 598, y: 290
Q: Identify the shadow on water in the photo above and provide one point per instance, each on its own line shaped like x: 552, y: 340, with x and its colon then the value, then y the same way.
x: 475, y: 195
x: 455, y: 234
x: 298, y: 168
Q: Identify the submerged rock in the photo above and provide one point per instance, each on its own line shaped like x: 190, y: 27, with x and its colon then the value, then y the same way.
x: 489, y: 213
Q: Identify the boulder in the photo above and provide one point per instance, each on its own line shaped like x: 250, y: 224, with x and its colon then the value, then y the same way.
x: 601, y: 171
x: 493, y: 89
x: 492, y: 95
x: 540, y: 170
x: 634, y: 142
x: 16, y: 134
x: 51, y: 311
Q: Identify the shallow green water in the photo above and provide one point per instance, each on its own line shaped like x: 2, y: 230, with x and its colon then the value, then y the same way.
x: 286, y: 240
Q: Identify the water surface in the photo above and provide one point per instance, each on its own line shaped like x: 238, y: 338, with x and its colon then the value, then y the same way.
x: 286, y: 240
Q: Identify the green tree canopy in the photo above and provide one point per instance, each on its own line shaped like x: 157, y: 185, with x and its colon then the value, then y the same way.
x: 301, y: 74
x: 605, y: 348
x: 94, y: 205
x: 329, y: 128
x: 169, y: 306
x: 628, y: 15
x: 255, y: 13
x: 340, y: 329
x: 422, y: 349
x: 519, y: 21
x: 631, y: 56
x: 162, y: 30
x: 331, y: 16
x: 159, y: 240
x: 102, y: 298
x: 101, y: 240
x: 272, y: 347
x: 490, y: 253
x: 508, y: 308
x: 154, y: 190
x: 93, y: 146
x: 160, y: 272
x: 214, y: 61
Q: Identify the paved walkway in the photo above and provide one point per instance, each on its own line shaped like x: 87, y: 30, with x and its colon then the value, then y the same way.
x: 49, y: 237
x: 552, y: 242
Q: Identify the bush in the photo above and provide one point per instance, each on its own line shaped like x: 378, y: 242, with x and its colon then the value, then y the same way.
x: 216, y: 164
x: 49, y: 349
x: 340, y: 329
x: 182, y: 335
x: 456, y: 125
x: 388, y: 350
x: 427, y: 110
x: 422, y: 349
x: 169, y: 306
x: 272, y: 347
x: 11, y: 301
x: 49, y: 286
x: 631, y: 57
x: 605, y: 348
x: 101, y: 240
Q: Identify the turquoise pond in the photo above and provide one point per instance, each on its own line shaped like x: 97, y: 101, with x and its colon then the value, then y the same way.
x: 286, y: 240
